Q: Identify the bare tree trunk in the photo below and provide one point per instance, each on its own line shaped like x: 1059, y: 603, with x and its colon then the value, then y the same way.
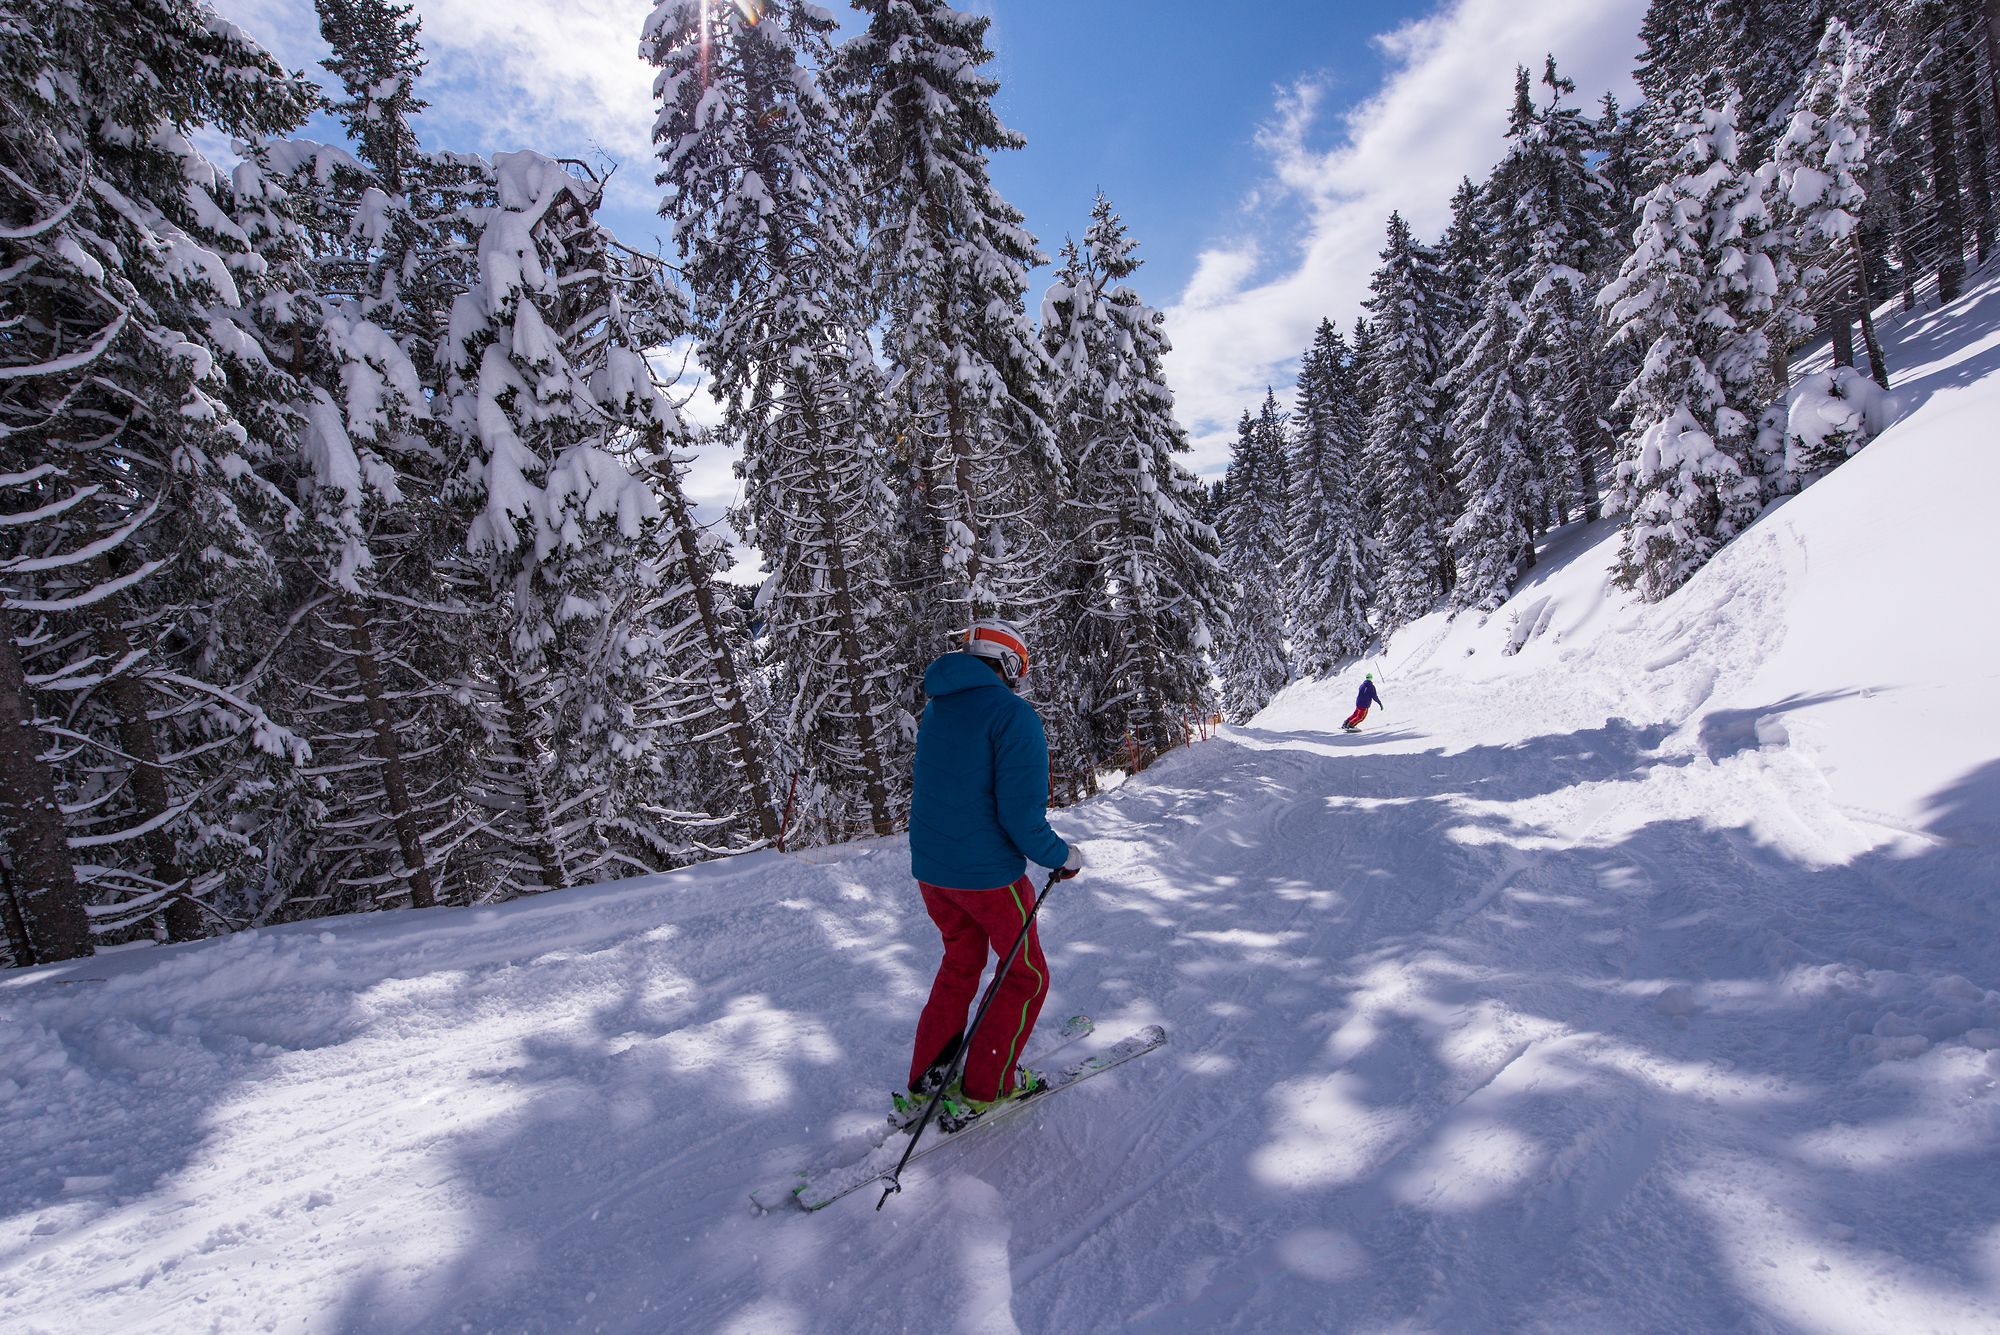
x: 1841, y: 330
x: 741, y: 735
x: 1949, y: 212
x: 961, y: 455
x: 389, y: 750
x: 535, y: 807
x: 846, y: 627
x: 1877, y: 367
x: 149, y: 781
x: 853, y: 664
x: 19, y: 953
x: 1979, y: 185
x: 42, y: 880
x: 1993, y: 55
x: 1586, y: 466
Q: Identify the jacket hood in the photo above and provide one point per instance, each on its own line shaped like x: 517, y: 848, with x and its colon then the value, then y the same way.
x: 957, y: 672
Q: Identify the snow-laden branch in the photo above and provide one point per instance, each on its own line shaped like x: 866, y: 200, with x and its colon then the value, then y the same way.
x: 74, y: 361
x: 49, y: 511
x: 54, y: 220
x: 96, y: 594
x: 90, y: 551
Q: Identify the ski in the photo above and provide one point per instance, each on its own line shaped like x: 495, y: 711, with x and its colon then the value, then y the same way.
x: 768, y: 1197
x: 820, y: 1189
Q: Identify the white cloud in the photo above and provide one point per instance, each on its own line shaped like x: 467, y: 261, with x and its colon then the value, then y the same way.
x: 503, y: 74
x: 1440, y: 115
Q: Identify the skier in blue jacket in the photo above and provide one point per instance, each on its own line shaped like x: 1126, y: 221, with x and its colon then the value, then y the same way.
x: 978, y: 814
x: 1363, y: 698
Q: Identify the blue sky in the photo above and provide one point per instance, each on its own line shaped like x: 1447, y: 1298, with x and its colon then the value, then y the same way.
x: 1159, y: 104
x: 1255, y: 149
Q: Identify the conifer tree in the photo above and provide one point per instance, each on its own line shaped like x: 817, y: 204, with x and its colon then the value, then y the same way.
x: 1492, y: 542
x: 369, y: 252
x: 1690, y: 295
x: 1464, y: 255
x: 1622, y: 165
x: 1927, y: 118
x: 558, y: 432
x: 1327, y: 577
x: 1819, y: 165
x: 1252, y: 658
x: 766, y: 214
x: 1560, y: 239
x: 1360, y: 376
x: 135, y: 566
x: 1407, y: 452
x: 1148, y: 592
x: 947, y: 259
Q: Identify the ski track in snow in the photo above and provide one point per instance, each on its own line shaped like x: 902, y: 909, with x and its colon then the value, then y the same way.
x: 1620, y: 976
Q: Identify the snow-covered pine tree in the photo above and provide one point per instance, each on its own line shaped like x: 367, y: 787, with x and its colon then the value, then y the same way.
x: 1464, y: 255
x: 766, y: 217
x: 366, y: 255
x: 1929, y: 114
x: 1407, y: 451
x: 947, y: 259
x: 1492, y: 541
x: 1679, y: 64
x: 132, y: 433
x: 695, y: 777
x: 1819, y: 165
x: 1360, y: 377
x: 1149, y: 592
x: 1251, y: 658
x: 1763, y: 48
x: 1326, y: 575
x: 1621, y: 163
x: 1692, y: 293
x: 570, y: 560
x: 1559, y: 237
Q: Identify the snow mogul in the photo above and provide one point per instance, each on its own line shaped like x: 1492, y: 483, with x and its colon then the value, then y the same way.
x: 1363, y: 698
x: 978, y: 813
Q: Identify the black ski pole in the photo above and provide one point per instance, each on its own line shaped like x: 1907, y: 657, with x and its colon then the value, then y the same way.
x: 957, y: 1067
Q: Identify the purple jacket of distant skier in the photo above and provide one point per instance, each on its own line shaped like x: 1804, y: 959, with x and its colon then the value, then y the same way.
x: 1367, y: 696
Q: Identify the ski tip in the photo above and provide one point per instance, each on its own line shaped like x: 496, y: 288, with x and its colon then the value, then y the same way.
x: 767, y: 1199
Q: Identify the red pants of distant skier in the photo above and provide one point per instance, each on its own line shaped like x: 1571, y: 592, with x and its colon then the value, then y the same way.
x: 1354, y: 719
x: 972, y: 921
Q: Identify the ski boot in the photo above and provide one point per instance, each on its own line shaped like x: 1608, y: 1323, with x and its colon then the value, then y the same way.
x: 909, y: 1104
x: 957, y: 1111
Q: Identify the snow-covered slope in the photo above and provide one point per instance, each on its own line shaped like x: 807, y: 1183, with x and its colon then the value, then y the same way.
x: 1641, y: 979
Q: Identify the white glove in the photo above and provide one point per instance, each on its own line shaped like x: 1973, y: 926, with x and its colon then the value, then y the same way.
x: 1071, y: 864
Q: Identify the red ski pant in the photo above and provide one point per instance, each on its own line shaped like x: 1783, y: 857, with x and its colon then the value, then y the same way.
x: 1354, y: 719
x: 971, y: 921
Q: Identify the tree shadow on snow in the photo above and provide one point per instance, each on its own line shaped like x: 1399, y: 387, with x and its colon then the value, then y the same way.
x: 1429, y: 1065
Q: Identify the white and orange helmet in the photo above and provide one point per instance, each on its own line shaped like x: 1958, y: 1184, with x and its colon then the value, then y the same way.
x: 1002, y: 642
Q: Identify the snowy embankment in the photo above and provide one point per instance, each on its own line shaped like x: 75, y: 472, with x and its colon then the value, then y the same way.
x: 1642, y: 978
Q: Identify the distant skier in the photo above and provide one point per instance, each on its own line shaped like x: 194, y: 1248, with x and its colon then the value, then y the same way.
x: 1367, y: 696
x: 978, y: 812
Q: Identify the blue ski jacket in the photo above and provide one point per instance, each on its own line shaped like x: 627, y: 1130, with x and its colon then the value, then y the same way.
x: 979, y: 808
x: 1367, y: 696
